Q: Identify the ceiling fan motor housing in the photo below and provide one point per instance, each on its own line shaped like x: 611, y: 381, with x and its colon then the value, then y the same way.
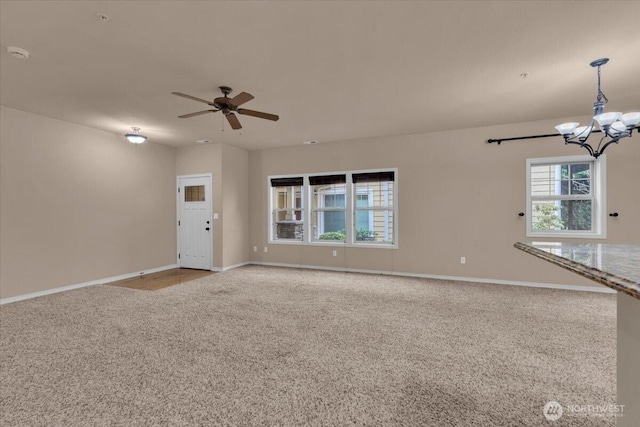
x: 222, y: 103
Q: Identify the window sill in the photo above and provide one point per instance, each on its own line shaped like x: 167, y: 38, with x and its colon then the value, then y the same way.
x: 560, y: 235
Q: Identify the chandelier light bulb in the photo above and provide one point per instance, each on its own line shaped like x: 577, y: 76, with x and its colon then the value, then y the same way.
x: 630, y: 119
x: 567, y: 128
x: 616, y: 129
x: 607, y: 119
x: 583, y: 131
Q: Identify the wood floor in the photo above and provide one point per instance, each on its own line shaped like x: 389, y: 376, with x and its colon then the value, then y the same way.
x: 162, y: 279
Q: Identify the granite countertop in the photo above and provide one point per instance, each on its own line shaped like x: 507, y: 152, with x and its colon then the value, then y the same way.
x: 615, y: 266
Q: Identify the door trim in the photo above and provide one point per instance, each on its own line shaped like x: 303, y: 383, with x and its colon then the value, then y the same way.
x: 199, y: 175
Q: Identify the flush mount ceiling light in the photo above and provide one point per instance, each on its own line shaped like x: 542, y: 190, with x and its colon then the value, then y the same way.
x: 135, y: 137
x: 613, y: 125
x: 17, y: 52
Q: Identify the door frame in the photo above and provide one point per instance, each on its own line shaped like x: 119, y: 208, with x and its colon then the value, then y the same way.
x: 209, y: 194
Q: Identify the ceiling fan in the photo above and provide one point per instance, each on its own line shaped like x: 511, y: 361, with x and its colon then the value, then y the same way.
x: 228, y: 106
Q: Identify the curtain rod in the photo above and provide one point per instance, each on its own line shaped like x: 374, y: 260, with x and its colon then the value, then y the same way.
x: 500, y: 140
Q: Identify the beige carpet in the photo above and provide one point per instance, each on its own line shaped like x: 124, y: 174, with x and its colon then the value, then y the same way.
x: 270, y: 346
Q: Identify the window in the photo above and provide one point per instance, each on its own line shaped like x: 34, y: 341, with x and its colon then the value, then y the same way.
x: 565, y: 197
x: 287, y: 208
x: 374, y: 207
x: 328, y: 216
x: 353, y: 208
x: 194, y: 193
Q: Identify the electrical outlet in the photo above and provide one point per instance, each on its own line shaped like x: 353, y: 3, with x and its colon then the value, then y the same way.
x: 266, y: 249
x: 335, y: 253
x: 255, y: 249
x: 463, y: 260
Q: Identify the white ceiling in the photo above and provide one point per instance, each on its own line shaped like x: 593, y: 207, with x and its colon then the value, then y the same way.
x: 332, y: 70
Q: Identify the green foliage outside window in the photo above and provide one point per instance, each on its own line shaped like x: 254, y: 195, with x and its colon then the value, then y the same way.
x: 332, y: 235
x: 361, y: 234
x: 576, y: 215
x: 364, y: 234
x: 547, y: 217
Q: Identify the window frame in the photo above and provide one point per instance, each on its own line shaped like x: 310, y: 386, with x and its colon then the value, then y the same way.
x: 598, y: 198
x: 350, y: 211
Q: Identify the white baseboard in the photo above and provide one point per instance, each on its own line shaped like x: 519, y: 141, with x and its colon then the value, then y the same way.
x: 600, y: 289
x: 231, y: 267
x: 84, y: 284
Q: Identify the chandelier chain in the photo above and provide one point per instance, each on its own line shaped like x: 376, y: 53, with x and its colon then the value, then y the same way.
x: 601, y: 94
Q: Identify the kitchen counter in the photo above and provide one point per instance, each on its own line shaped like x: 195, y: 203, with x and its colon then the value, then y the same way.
x: 615, y: 266
x: 618, y: 267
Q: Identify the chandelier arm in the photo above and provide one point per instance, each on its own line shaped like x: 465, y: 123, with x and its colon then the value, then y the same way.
x: 581, y: 144
x: 613, y: 141
x: 598, y: 150
x: 592, y: 125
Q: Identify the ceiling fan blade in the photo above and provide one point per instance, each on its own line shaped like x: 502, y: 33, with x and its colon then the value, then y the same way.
x: 258, y: 114
x: 241, y: 98
x: 184, y: 95
x: 186, y: 116
x: 233, y: 121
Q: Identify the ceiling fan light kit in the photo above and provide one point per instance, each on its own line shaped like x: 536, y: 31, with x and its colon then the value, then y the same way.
x: 614, y: 125
x: 135, y: 137
x: 228, y: 106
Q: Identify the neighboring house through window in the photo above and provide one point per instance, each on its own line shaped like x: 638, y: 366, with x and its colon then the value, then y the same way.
x: 328, y: 216
x: 287, y: 208
x: 374, y: 209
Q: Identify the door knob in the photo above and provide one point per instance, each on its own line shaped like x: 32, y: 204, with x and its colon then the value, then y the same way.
x: 207, y: 228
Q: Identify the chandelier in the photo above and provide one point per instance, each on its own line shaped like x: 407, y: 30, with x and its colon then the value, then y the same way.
x: 614, y: 126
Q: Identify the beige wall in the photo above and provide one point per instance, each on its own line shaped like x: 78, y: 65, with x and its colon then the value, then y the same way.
x: 235, y: 209
x: 79, y: 204
x: 458, y: 196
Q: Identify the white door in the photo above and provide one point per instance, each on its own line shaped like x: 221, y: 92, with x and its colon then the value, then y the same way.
x: 194, y: 222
